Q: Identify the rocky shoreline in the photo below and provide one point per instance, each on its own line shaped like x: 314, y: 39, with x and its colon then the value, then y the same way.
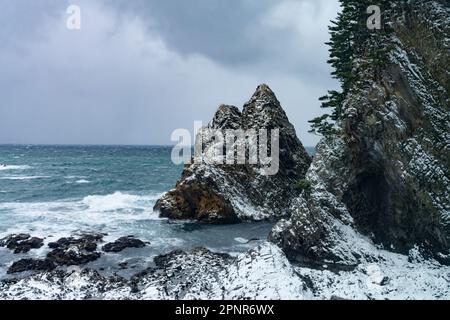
x: 65, y: 252
x: 262, y: 273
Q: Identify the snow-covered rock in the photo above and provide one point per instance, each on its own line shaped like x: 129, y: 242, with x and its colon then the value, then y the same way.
x: 384, y: 178
x: 223, y: 193
x: 262, y: 273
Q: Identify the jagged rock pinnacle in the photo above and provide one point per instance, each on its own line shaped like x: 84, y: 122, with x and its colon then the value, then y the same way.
x: 226, y: 117
x: 264, y: 93
x: 217, y: 193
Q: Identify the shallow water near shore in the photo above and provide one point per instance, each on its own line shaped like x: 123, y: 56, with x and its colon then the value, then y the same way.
x: 58, y: 191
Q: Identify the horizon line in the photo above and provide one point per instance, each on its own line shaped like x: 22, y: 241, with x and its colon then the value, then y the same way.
x: 101, y: 145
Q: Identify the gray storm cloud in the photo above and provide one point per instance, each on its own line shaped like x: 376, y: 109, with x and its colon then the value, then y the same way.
x: 139, y: 69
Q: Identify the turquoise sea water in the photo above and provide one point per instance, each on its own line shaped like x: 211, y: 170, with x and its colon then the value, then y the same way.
x: 56, y: 191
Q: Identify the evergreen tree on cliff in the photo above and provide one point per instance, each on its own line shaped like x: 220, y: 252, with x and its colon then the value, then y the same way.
x: 348, y: 34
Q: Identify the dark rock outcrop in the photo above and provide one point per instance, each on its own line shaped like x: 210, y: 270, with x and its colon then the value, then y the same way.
x: 228, y: 193
x: 68, y: 251
x: 21, y: 243
x: 31, y: 265
x: 75, y: 251
x: 386, y: 173
x: 123, y: 243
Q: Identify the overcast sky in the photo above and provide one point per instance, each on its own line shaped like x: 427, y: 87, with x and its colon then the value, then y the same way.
x: 138, y: 69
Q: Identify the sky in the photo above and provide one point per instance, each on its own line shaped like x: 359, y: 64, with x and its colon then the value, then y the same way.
x: 137, y: 70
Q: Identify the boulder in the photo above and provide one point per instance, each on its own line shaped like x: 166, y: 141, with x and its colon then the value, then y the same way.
x: 123, y: 243
x: 21, y: 243
x: 31, y: 265
x: 75, y: 251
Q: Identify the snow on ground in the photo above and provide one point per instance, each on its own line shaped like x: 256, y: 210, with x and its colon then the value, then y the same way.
x: 262, y: 273
x: 396, y: 278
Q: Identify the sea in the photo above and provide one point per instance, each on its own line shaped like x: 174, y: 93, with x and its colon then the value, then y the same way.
x: 59, y: 191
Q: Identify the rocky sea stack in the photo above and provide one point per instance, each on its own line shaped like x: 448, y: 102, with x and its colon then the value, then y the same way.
x: 223, y: 193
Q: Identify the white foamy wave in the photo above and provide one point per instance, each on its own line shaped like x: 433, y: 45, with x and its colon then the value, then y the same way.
x: 241, y: 240
x: 95, y: 203
x: 117, y: 201
x: 13, y: 167
x: 108, y: 212
x: 23, y: 177
x: 82, y: 181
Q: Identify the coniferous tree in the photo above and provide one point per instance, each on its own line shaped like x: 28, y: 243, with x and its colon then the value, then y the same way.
x: 349, y: 38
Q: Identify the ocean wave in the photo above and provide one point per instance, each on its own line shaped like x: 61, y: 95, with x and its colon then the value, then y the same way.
x: 101, y: 203
x: 241, y: 240
x: 97, y: 212
x: 14, y: 167
x: 118, y: 201
x: 23, y: 177
x: 82, y: 181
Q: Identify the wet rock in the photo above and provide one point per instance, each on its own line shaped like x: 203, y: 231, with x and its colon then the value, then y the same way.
x: 123, y: 243
x: 230, y: 193
x: 72, y: 256
x: 75, y: 251
x: 163, y: 259
x: 21, y: 243
x: 31, y: 265
x: 85, y: 241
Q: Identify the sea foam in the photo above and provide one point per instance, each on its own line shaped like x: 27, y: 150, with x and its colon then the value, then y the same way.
x: 109, y: 213
x: 23, y: 177
x: 82, y: 181
x: 117, y: 201
x: 14, y: 167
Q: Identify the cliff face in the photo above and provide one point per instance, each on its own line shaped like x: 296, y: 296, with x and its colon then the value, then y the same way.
x: 217, y: 193
x: 384, y: 178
